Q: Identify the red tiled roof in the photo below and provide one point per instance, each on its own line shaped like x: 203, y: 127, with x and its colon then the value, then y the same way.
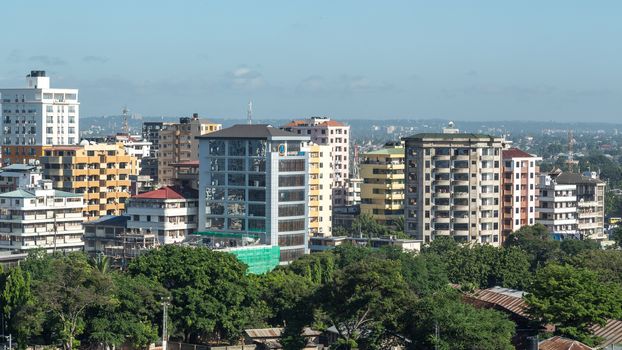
x: 559, y: 343
x: 332, y: 123
x: 295, y: 123
x: 515, y: 153
x: 161, y: 193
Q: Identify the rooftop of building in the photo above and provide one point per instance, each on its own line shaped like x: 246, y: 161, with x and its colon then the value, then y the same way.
x: 386, y: 151
x: 19, y: 167
x: 567, y: 178
x: 313, y: 122
x: 30, y: 193
x: 250, y: 131
x: 560, y: 343
x: 168, y: 192
x: 450, y: 136
x: 110, y: 220
x: 515, y: 153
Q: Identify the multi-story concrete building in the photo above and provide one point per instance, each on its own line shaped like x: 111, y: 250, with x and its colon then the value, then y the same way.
x: 324, y: 131
x: 151, y: 133
x: 520, y: 190
x: 253, y: 185
x: 17, y: 176
x: 572, y: 205
x: 136, y: 147
x: 170, y: 213
x: 110, y: 237
x: 320, y: 190
x: 352, y: 191
x: 37, y: 115
x: 41, y: 218
x: 453, y: 185
x: 382, y: 191
x: 558, y: 207
x: 99, y: 172
x: 178, y: 144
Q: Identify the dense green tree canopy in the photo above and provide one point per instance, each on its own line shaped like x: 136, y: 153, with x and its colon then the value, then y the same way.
x: 573, y: 299
x: 212, y: 296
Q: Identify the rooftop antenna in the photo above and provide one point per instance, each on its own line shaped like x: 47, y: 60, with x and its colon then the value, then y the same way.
x: 249, y: 113
x: 126, y: 127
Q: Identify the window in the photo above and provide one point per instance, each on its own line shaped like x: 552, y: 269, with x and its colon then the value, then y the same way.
x: 292, y: 225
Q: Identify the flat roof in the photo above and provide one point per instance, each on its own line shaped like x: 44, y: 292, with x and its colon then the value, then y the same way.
x: 251, y: 131
x: 447, y: 136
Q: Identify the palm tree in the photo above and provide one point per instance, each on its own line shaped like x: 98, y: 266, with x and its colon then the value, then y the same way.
x: 101, y: 263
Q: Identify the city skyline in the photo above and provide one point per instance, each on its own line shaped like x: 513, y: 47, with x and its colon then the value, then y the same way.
x: 481, y: 61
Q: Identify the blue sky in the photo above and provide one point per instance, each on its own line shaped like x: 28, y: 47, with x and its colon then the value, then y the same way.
x: 462, y: 60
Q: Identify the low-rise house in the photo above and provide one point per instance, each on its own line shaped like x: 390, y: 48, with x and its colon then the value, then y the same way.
x: 168, y: 212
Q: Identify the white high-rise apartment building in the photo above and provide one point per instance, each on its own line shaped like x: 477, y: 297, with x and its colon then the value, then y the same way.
x: 324, y: 131
x: 40, y: 115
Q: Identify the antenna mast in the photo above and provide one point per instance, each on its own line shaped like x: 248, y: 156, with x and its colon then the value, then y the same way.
x: 126, y: 127
x: 249, y: 113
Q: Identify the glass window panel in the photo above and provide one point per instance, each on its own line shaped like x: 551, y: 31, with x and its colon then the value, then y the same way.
x: 237, y: 164
x: 217, y: 147
x: 236, y: 179
x: 237, y: 148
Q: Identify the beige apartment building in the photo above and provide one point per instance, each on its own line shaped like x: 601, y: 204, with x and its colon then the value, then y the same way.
x: 382, y: 191
x: 100, y: 172
x: 324, y: 131
x: 520, y: 190
x: 178, y: 144
x: 453, y: 185
x: 320, y: 190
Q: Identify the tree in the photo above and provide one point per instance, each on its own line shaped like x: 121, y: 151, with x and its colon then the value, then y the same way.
x: 607, y: 264
x: 535, y: 240
x: 16, y: 295
x: 458, y: 325
x: 213, y: 299
x: 101, y: 263
x: 133, y: 318
x: 573, y: 300
x: 482, y: 266
x: 616, y: 235
x: 365, y: 301
x: 67, y: 291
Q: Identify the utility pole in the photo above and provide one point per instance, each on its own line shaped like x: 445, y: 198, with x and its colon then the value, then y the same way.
x: 164, y: 322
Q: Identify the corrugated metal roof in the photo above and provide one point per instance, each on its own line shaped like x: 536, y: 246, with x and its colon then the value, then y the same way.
x: 559, y: 343
x: 503, y: 297
x: 270, y: 333
x: 611, y: 332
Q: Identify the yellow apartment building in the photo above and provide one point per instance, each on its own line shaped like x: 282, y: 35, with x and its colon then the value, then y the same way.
x: 382, y: 191
x: 101, y: 172
x: 320, y: 190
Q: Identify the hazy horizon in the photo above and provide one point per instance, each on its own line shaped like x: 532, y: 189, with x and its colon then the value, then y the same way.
x: 481, y: 60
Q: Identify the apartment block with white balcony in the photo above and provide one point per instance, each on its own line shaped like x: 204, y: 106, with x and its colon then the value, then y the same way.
x: 453, y: 185
x: 38, y: 114
x: 558, y: 208
x: 169, y: 212
x: 324, y: 131
x: 586, y: 198
x: 40, y: 217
